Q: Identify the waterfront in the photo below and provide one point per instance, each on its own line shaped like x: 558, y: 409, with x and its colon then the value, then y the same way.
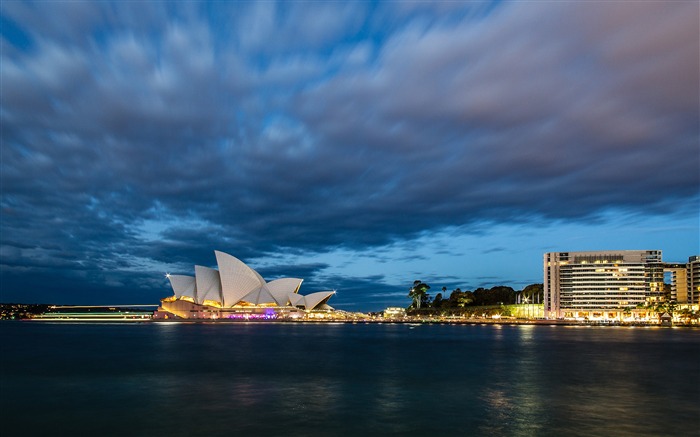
x: 344, y: 379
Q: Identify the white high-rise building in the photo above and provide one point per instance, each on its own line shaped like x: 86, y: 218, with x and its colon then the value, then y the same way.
x: 600, y: 284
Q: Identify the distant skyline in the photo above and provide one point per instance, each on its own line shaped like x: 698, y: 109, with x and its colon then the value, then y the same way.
x: 359, y: 145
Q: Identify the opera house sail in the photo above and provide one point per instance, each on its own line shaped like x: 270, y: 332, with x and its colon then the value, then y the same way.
x: 236, y: 291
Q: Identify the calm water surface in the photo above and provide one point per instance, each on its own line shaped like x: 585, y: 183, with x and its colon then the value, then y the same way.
x: 323, y: 380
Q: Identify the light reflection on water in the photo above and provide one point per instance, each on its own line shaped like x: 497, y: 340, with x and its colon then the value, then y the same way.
x: 297, y: 379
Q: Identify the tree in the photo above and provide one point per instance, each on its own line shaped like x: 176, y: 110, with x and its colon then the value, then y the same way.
x: 437, y: 302
x: 627, y: 311
x: 419, y: 293
x: 460, y: 299
x: 494, y: 296
x: 686, y: 314
x: 454, y: 297
x: 534, y: 293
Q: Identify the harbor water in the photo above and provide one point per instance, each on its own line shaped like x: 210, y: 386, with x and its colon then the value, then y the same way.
x: 295, y: 379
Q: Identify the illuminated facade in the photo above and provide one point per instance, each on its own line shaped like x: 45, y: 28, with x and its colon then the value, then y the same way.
x: 679, y: 282
x: 693, y: 279
x: 685, y: 280
x: 236, y: 291
x: 395, y: 313
x: 602, y: 284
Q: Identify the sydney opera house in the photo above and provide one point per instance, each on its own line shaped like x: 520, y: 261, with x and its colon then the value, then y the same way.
x: 236, y: 291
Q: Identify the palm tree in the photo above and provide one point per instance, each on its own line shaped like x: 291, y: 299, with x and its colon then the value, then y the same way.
x: 627, y: 311
x: 419, y: 293
x: 685, y: 315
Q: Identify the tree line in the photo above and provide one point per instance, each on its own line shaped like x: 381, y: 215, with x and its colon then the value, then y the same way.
x: 498, y: 295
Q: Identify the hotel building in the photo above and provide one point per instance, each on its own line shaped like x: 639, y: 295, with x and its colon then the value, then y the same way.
x: 601, y: 284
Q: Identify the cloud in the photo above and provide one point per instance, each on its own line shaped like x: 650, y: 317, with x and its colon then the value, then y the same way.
x: 144, y: 138
x: 274, y: 27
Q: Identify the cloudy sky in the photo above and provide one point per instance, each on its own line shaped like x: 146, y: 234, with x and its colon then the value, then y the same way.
x: 360, y: 146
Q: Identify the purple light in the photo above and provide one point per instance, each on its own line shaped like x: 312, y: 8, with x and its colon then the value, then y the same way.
x: 267, y: 316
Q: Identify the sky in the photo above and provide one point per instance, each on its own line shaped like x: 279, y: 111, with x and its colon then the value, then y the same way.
x: 357, y: 145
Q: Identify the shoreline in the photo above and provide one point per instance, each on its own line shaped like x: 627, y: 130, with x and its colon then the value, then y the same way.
x: 499, y: 322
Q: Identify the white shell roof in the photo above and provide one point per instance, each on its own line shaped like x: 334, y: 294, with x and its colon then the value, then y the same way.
x: 281, y: 288
x: 296, y: 299
x: 259, y: 296
x: 237, y: 279
x: 208, y: 284
x: 183, y: 285
x: 314, y: 300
